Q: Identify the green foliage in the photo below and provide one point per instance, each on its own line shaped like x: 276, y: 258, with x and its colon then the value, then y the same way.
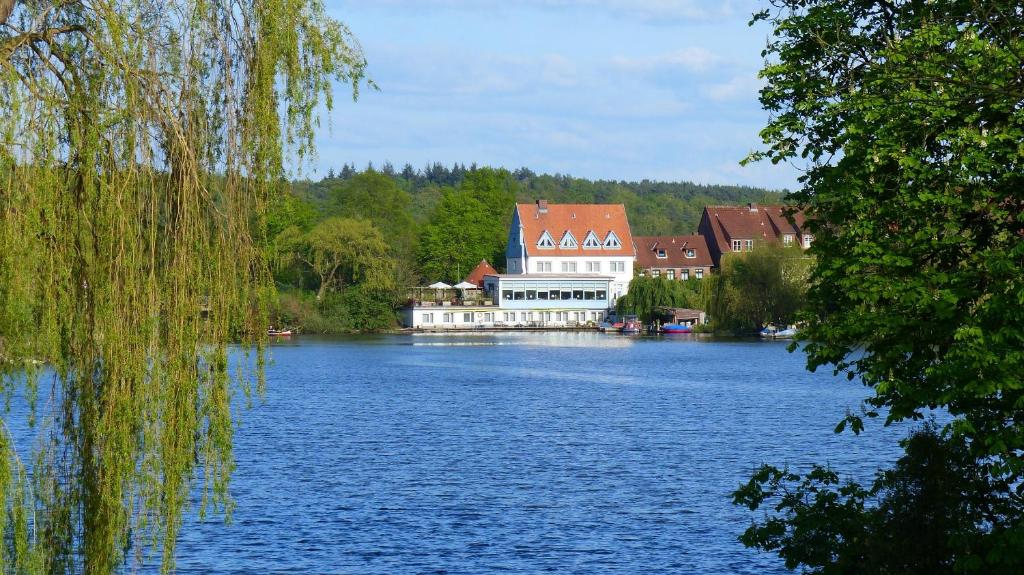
x: 140, y: 145
x: 356, y: 309
x: 647, y: 294
x: 468, y: 225
x: 755, y: 288
x: 340, y: 251
x: 910, y: 116
x: 937, y: 511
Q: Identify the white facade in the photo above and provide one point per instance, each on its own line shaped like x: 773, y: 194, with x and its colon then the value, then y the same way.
x: 450, y: 317
x: 619, y: 268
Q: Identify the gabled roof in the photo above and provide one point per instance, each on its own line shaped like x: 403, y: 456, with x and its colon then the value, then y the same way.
x: 477, y: 275
x: 579, y: 219
x: 752, y: 222
x: 675, y: 252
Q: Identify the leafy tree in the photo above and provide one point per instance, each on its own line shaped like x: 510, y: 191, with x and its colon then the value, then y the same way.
x: 647, y: 294
x: 343, y: 250
x: 933, y: 513
x: 910, y: 116
x: 755, y: 288
x: 140, y: 143
x: 469, y: 224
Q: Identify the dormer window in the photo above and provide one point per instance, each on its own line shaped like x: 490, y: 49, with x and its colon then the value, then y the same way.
x: 787, y: 240
x: 662, y: 254
x: 691, y: 253
x: 546, y: 241
x: 591, y: 242
x: 612, y: 241
x: 568, y: 241
x: 808, y: 238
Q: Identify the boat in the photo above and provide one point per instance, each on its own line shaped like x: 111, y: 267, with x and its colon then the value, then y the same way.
x: 279, y: 332
x: 676, y: 328
x: 607, y: 326
x: 773, y: 332
x: 631, y: 325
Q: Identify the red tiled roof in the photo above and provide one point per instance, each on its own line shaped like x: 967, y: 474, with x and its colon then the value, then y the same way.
x: 675, y: 251
x: 752, y: 223
x: 580, y: 219
x: 477, y: 275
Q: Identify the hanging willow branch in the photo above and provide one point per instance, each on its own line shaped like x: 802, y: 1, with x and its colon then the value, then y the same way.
x: 140, y: 142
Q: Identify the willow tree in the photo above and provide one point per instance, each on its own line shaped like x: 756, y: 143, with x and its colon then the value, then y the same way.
x: 139, y: 144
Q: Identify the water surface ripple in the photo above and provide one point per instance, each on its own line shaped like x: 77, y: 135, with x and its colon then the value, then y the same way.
x: 519, y: 453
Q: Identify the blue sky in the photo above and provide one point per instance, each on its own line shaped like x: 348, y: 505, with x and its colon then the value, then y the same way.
x: 611, y: 89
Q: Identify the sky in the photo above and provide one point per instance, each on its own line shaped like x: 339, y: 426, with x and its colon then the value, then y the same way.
x: 604, y: 89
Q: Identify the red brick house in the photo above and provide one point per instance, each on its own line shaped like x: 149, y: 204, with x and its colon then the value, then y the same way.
x: 673, y: 257
x: 739, y: 228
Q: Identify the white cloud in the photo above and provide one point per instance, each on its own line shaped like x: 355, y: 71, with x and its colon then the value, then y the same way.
x: 743, y: 87
x: 693, y: 59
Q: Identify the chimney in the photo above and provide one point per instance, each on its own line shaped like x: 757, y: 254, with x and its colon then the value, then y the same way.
x: 753, y: 207
x: 542, y: 206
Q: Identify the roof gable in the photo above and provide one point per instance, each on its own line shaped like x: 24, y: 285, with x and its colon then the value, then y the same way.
x: 678, y: 251
x: 578, y: 220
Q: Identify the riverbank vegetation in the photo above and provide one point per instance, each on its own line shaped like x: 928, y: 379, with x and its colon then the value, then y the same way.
x: 417, y: 227
x: 910, y: 115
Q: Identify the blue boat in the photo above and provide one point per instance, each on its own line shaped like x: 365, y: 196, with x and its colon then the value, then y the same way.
x: 676, y: 328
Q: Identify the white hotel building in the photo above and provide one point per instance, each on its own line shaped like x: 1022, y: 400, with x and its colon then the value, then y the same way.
x: 567, y: 265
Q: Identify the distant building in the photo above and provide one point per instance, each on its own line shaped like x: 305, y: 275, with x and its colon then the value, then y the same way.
x: 673, y: 257
x: 739, y: 228
x: 572, y: 240
x: 476, y: 276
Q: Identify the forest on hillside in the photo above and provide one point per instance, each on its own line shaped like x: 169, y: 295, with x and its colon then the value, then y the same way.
x: 346, y: 248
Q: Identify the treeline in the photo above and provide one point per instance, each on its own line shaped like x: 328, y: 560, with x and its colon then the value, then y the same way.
x: 344, y: 249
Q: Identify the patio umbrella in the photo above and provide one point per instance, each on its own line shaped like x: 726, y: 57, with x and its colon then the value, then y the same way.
x: 465, y: 285
x: 439, y: 285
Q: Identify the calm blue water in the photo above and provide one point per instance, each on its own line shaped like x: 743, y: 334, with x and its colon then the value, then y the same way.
x: 520, y: 453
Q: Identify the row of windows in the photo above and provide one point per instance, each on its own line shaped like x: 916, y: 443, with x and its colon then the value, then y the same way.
x: 684, y: 274
x: 511, y: 316
x: 690, y: 253
x: 590, y: 267
x: 531, y: 294
x: 591, y: 242
x: 787, y: 240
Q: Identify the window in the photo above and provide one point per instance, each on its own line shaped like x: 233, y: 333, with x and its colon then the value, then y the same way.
x: 662, y: 254
x: 655, y: 273
x: 447, y: 318
x: 618, y: 266
x: 577, y: 294
x: 543, y: 267
x: 591, y: 242
x: 428, y: 318
x: 489, y: 317
x: 467, y: 317
x: 506, y: 294
x: 555, y: 294
x: 698, y: 273
x: 588, y: 295
x: 522, y: 316
x: 518, y: 294
x: 566, y: 295
x: 748, y: 244
x: 594, y: 267
x: 542, y: 294
x: 612, y: 241
x: 546, y: 241
x: 787, y: 240
x: 808, y: 238
x: 691, y: 253
x: 737, y: 245
x: 568, y: 241
x: 684, y: 274
x: 601, y: 294
x: 531, y: 294
x: 509, y: 316
x: 569, y: 267
x: 670, y: 274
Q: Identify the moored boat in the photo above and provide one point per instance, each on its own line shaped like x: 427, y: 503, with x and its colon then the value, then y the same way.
x: 676, y: 328
x: 773, y: 332
x: 279, y: 332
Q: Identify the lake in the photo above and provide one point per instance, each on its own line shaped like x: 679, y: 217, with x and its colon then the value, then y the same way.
x: 520, y: 453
